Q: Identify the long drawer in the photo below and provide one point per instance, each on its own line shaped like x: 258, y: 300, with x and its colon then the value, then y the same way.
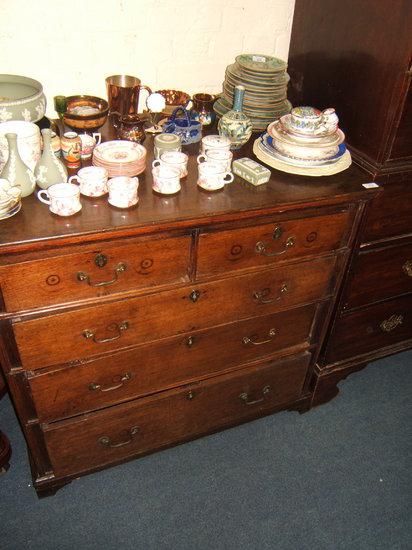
x: 133, y: 373
x: 266, y: 244
x: 389, y: 214
x: 67, y: 336
x: 371, y: 329
x: 147, y: 424
x: 379, y: 274
x: 92, y: 271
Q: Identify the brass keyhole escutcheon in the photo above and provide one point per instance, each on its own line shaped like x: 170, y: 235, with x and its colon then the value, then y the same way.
x: 277, y: 232
x: 190, y: 340
x: 194, y: 295
x: 100, y: 260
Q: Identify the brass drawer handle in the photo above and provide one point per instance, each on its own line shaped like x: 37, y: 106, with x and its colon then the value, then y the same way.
x: 249, y: 339
x: 244, y: 397
x: 122, y: 379
x: 260, y: 247
x: 260, y: 295
x: 407, y: 267
x: 118, y: 327
x: 81, y: 276
x: 107, y: 442
x: 390, y: 324
x: 194, y: 295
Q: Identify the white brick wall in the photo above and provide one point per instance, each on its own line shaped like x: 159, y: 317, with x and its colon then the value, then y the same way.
x: 72, y: 45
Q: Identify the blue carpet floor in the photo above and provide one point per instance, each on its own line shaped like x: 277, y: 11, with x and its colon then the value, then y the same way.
x: 338, y: 477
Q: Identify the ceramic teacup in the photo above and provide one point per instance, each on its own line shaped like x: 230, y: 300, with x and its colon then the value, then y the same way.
x: 123, y: 191
x: 212, y: 177
x: 166, y: 179
x: 218, y: 157
x: 305, y: 119
x: 174, y: 159
x: 89, y: 142
x: 92, y: 181
x: 215, y: 142
x: 63, y: 199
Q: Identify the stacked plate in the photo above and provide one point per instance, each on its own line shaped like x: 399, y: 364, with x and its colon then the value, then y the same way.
x: 265, y: 80
x: 120, y: 158
x: 317, y: 151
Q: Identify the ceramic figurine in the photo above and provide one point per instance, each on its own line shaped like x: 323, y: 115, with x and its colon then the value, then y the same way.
x: 49, y: 169
x: 235, y: 124
x: 15, y: 171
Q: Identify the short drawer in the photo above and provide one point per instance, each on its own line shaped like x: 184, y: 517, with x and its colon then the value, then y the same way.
x: 366, y: 331
x: 90, y: 272
x: 264, y: 245
x: 144, y: 425
x: 379, y: 274
x: 389, y: 214
x: 63, y: 337
x: 140, y: 371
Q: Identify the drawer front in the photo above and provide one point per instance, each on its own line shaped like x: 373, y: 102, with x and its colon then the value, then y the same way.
x: 147, y: 424
x: 133, y: 373
x: 380, y: 274
x: 63, y: 337
x: 267, y: 244
x: 389, y: 214
x: 109, y: 269
x: 376, y: 327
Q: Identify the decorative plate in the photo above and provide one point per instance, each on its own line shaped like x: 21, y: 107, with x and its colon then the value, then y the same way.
x: 258, y: 63
x: 119, y: 151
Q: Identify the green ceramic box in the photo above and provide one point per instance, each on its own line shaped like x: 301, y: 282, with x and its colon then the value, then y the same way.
x: 251, y: 171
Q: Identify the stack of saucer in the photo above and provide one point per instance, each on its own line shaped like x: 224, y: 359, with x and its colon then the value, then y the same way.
x: 306, y: 141
x: 120, y: 158
x: 265, y: 80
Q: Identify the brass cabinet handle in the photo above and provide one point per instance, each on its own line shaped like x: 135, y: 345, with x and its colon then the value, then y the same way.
x: 407, y: 267
x: 249, y: 339
x: 260, y: 247
x: 194, y: 295
x: 93, y: 386
x: 390, y: 324
x: 107, y: 442
x: 260, y: 295
x: 244, y: 397
x: 118, y: 327
x: 81, y: 276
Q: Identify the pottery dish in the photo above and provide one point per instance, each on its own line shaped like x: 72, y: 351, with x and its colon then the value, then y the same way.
x: 21, y: 98
x: 85, y: 112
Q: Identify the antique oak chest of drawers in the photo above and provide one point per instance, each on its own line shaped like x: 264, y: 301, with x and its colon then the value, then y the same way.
x: 128, y: 331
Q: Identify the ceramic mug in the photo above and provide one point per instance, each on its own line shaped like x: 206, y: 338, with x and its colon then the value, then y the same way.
x: 166, y: 179
x: 88, y: 143
x: 92, y: 181
x: 174, y: 159
x: 218, y: 157
x: 123, y: 191
x: 215, y: 142
x: 212, y: 177
x: 71, y: 146
x: 63, y: 199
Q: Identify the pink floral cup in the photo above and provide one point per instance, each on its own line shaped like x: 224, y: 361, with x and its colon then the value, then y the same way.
x: 175, y: 159
x: 166, y: 179
x: 92, y: 181
x: 212, y: 177
x: 218, y: 157
x: 123, y: 191
x: 63, y: 199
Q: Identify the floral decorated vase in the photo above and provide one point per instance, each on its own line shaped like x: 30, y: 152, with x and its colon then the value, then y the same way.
x: 235, y: 124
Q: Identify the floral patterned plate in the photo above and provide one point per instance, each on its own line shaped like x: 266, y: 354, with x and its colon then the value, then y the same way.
x: 119, y: 151
x: 258, y: 63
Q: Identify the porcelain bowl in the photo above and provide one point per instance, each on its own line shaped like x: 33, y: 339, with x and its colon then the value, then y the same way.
x: 85, y: 112
x: 21, y: 98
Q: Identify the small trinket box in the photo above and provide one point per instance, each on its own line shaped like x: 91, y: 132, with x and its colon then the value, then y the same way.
x: 251, y: 171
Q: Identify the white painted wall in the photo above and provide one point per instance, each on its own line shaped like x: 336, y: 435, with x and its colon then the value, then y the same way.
x: 70, y: 46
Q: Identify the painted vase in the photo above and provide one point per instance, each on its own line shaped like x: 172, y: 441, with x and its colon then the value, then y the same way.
x: 15, y: 171
x: 71, y: 146
x: 49, y: 169
x: 235, y: 124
